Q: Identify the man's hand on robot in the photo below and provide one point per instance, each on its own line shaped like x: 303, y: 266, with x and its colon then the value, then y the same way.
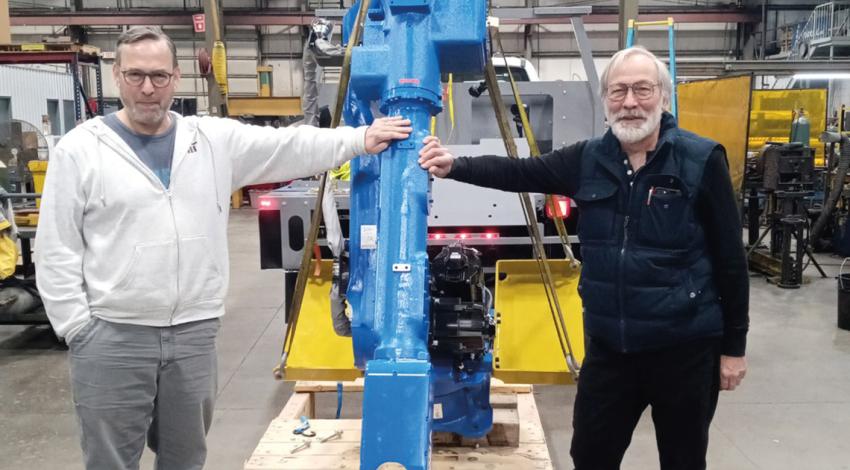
x: 435, y: 158
x: 384, y: 130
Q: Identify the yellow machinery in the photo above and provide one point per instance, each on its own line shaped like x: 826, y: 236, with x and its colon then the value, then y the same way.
x: 38, y: 168
x: 264, y: 80
x: 743, y: 120
x: 29, y: 217
x: 526, y: 348
x: 264, y: 106
x: 773, y: 110
x: 320, y: 354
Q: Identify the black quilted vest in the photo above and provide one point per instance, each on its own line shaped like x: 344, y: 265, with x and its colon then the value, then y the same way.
x: 647, y: 279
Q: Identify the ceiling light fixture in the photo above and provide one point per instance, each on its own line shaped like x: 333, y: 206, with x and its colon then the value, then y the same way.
x: 822, y: 76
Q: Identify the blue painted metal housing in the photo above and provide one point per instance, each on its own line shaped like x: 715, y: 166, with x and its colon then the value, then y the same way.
x: 407, y: 44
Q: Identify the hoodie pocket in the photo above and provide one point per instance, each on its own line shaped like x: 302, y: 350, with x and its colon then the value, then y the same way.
x: 200, y: 277
x: 148, y: 282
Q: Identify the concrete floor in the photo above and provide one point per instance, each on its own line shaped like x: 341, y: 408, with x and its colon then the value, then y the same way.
x: 793, y: 411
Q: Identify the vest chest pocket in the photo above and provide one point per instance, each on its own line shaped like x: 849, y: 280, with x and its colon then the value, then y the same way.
x: 664, y: 213
x: 597, y: 210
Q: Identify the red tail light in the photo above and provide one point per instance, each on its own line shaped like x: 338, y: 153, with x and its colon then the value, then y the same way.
x: 561, y: 208
x: 463, y: 236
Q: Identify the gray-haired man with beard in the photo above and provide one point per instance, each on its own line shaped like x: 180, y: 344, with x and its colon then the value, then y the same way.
x: 664, y: 285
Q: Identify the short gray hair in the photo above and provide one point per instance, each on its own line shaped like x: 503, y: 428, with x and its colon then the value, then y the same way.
x: 664, y: 78
x: 144, y: 33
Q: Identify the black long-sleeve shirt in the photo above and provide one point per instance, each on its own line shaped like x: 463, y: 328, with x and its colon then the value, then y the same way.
x: 558, y: 173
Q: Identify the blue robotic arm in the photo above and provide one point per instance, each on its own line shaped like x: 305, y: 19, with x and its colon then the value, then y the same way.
x: 421, y: 328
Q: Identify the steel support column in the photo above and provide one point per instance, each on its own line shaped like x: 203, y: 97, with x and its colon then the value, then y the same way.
x: 216, y: 100
x: 590, y: 70
x: 628, y: 11
x: 5, y: 24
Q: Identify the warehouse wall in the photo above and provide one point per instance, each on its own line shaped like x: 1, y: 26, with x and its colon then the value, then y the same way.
x: 30, y: 90
x: 554, y: 53
x: 552, y: 48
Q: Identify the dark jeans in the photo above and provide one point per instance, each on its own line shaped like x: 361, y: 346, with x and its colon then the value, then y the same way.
x: 681, y: 385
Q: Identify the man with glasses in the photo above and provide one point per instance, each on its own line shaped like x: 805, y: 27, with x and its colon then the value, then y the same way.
x: 664, y: 284
x: 132, y: 256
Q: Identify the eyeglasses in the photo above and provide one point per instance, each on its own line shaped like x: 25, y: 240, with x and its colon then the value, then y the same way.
x: 137, y: 78
x: 641, y: 90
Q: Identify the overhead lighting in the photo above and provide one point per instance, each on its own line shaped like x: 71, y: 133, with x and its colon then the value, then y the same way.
x: 822, y: 76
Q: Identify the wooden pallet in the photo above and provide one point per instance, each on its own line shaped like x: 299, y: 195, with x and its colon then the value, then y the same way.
x: 51, y: 47
x: 517, y: 441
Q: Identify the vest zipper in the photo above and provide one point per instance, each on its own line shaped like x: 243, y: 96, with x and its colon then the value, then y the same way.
x: 621, y: 281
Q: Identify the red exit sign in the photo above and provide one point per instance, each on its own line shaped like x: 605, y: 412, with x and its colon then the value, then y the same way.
x: 199, y: 21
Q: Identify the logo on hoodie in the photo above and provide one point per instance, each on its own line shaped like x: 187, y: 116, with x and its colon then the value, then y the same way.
x: 194, y: 147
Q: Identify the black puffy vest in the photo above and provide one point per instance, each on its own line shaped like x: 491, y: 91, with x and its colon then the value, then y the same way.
x: 647, y: 277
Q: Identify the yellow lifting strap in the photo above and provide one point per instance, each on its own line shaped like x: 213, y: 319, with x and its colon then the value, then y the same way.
x: 535, y: 152
x: 304, y: 270
x: 451, y: 105
x: 528, y: 208
x: 451, y: 100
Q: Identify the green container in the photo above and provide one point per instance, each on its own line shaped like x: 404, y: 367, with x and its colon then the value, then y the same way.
x: 801, y: 128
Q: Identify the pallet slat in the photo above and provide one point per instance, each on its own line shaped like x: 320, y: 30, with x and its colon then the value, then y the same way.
x: 304, y: 386
x: 347, y: 455
x: 299, y: 404
x: 514, y: 412
x: 437, y: 463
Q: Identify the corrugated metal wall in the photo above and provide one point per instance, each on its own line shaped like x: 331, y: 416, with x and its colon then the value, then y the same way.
x: 29, y: 90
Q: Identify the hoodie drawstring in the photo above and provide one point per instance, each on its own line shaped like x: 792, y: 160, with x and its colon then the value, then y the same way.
x: 215, y: 172
x: 100, y: 176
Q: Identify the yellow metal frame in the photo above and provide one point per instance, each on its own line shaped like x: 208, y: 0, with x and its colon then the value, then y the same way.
x: 264, y: 106
x: 318, y: 353
x: 667, y: 22
x: 527, y: 349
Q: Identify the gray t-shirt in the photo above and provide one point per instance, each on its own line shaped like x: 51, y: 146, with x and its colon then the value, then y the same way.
x: 156, y: 151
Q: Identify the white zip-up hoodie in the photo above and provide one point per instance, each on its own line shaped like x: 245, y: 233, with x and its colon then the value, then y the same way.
x: 114, y: 243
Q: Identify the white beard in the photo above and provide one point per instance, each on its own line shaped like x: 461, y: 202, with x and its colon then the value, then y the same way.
x: 629, y: 134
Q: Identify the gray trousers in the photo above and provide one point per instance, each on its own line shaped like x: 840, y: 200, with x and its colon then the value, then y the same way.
x: 132, y: 383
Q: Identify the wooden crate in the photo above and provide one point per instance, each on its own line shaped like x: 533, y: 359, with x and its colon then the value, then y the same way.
x: 517, y: 441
